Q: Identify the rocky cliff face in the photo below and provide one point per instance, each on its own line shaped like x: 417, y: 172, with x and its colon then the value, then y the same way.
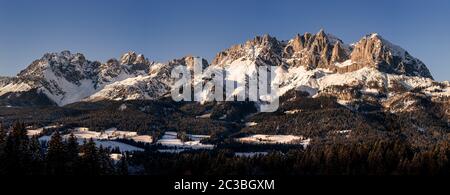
x: 312, y: 51
x: 315, y: 51
x: 373, y: 50
x: 322, y: 50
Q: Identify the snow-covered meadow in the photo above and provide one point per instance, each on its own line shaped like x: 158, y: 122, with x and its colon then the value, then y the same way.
x: 275, y: 139
x: 110, y: 134
x: 171, y: 140
x: 109, y: 139
x: 106, y: 139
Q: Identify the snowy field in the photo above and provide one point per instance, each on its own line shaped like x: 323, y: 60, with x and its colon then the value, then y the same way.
x: 104, y: 139
x: 275, y: 139
x: 170, y: 140
x: 113, y: 144
x: 104, y: 143
x: 36, y: 132
x: 204, y: 116
x: 107, y: 139
x: 115, y: 157
x: 251, y: 124
x: 110, y: 134
x: 293, y: 111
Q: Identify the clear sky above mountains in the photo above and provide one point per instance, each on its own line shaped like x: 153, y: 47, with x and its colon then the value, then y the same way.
x: 168, y: 29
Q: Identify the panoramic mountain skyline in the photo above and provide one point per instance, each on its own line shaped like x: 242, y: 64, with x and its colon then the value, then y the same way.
x: 66, y: 77
x: 169, y: 30
x: 192, y: 92
x: 372, y: 102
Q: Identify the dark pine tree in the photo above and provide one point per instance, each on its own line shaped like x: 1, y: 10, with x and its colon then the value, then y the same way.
x: 2, y: 149
x: 37, y: 156
x: 89, y: 159
x: 17, y: 153
x: 73, y: 151
x: 105, y: 162
x: 56, y: 155
x: 122, y: 166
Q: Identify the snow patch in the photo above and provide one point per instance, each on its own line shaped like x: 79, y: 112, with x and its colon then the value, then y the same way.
x: 251, y: 124
x: 113, y: 144
x: 110, y: 134
x: 344, y: 64
x: 171, y: 140
x: 293, y: 111
x: 34, y: 132
x: 122, y: 107
x: 115, y: 157
x: 272, y: 139
x: 204, y: 116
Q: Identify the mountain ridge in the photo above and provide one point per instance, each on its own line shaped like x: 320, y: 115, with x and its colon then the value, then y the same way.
x: 311, y: 62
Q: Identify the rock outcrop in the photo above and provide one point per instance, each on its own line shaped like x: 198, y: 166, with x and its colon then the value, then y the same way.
x: 373, y: 50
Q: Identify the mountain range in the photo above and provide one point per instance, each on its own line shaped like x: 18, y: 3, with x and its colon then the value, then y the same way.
x: 317, y: 63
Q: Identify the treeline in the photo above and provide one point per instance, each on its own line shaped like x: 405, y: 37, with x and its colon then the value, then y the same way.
x: 391, y: 155
x: 21, y: 155
x: 378, y: 157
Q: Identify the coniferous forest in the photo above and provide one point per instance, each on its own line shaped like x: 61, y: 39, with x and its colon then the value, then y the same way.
x: 21, y: 155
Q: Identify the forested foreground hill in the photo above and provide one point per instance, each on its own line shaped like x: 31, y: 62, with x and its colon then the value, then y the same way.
x: 21, y: 155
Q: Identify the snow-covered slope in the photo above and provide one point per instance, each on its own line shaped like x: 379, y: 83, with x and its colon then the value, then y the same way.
x: 135, y: 88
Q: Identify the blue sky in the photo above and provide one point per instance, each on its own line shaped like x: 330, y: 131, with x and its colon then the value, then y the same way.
x: 168, y: 29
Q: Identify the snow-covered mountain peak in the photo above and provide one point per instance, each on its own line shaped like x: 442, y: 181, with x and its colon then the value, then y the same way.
x: 72, y: 67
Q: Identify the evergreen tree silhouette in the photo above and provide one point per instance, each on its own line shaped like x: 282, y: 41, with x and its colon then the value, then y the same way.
x: 72, y: 154
x: 90, y: 159
x: 16, y: 151
x: 56, y: 155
